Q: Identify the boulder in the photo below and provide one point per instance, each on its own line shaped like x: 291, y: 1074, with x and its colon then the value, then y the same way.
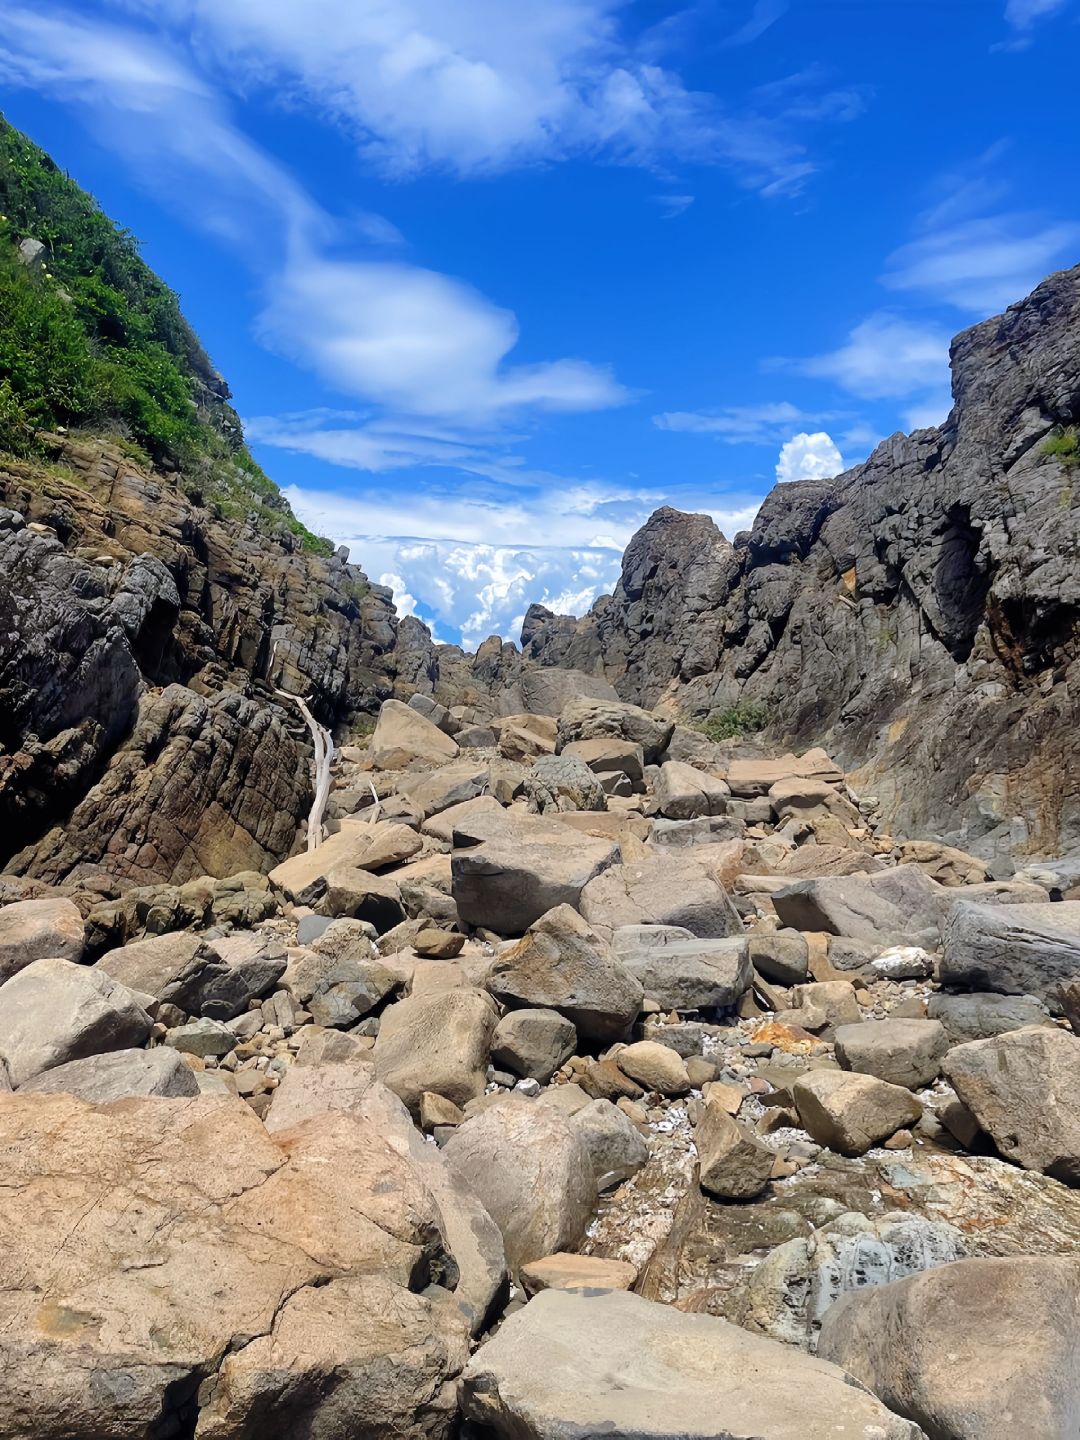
x: 1023, y: 1088
x: 849, y: 1112
x: 665, y: 889
x: 118, y: 1075
x: 790, y: 1292
x: 38, y: 929
x: 982, y: 1349
x: 617, y: 1149
x: 733, y: 1163
x: 683, y: 793
x: 1013, y: 949
x: 609, y: 754
x: 440, y: 790
x: 533, y: 1043
x: 530, y: 1168
x: 681, y: 972
x: 903, y: 1052
x: 978, y: 1017
x: 585, y: 718
x: 525, y: 869
x: 831, y: 1002
x: 168, y: 967
x: 562, y: 783
x: 441, y: 826
x: 203, y: 1038
x: 172, y: 1267
x: 654, y: 1067
x: 577, y: 1272
x: 783, y: 957
x: 436, y: 1041
x: 53, y: 1011
x: 402, y: 737
x: 892, y: 906
x: 753, y: 777
x: 944, y: 863
x: 562, y: 964
x: 585, y: 1363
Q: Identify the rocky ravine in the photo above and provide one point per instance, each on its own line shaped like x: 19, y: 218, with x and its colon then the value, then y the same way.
x: 588, y: 1079
x: 917, y: 615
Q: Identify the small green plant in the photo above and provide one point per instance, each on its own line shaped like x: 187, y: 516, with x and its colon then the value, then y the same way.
x: 1064, y: 445
x: 745, y: 718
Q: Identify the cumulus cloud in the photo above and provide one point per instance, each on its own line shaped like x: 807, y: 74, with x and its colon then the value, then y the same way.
x: 809, y: 457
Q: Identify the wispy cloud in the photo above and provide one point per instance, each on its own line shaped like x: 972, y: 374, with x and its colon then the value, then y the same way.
x: 673, y: 205
x: 761, y: 18
x: 884, y: 357
x: 739, y: 424
x: 1023, y: 14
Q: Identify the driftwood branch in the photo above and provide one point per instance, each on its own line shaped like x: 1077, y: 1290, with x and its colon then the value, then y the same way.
x: 324, y: 755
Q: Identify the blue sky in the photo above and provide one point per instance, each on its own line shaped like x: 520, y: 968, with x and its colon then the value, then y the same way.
x: 492, y: 281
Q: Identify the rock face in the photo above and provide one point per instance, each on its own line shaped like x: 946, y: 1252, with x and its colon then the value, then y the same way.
x: 905, y: 614
x: 197, y: 1228
x: 610, y: 1363
x: 977, y: 1350
x: 1024, y: 1089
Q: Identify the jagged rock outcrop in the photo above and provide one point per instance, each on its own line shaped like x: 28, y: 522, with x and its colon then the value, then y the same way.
x: 917, y: 615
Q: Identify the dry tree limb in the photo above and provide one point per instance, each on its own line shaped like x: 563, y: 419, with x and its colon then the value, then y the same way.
x: 324, y: 755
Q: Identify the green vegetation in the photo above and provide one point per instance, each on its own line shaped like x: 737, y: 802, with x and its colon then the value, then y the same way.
x: 92, y: 339
x: 745, y: 718
x: 1064, y: 444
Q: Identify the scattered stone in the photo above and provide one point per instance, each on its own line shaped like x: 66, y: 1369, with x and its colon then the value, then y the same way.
x: 437, y: 1110
x: 439, y: 944
x: 734, y: 1165
x: 903, y: 1052
x: 616, y: 1147
x: 903, y: 962
x: 579, y: 1363
x: 849, y: 1112
x: 39, y: 929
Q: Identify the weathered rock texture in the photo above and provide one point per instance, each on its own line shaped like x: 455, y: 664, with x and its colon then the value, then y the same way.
x: 917, y: 615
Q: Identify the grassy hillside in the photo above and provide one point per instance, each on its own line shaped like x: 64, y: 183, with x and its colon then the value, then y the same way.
x: 91, y: 339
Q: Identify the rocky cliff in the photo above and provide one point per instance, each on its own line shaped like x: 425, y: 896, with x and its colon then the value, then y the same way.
x: 917, y: 615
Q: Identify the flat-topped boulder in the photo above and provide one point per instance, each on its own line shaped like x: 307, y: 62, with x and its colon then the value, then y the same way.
x: 358, y: 845
x: 587, y: 718
x: 528, y: 866
x: 849, y: 1112
x: 750, y: 778
x: 684, y: 793
x: 890, y: 906
x: 118, y: 1075
x: 682, y: 972
x: 903, y: 1052
x: 667, y: 888
x: 590, y: 1363
x: 403, y: 736
x: 1013, y: 949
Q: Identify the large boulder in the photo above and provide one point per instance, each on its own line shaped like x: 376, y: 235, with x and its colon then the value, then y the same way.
x: 563, y: 965
x: 1014, y: 949
x: 530, y: 1167
x: 53, y: 1011
x: 37, y: 929
x: 437, y: 1041
x: 1024, y: 1090
x: 849, y: 1112
x: 985, y: 1349
x: 790, y: 1292
x: 683, y: 793
x: 750, y: 778
x: 585, y: 718
x: 172, y: 1268
x: 561, y: 783
x: 664, y: 889
x: 358, y: 846
x: 608, y: 1362
x: 903, y: 1052
x: 118, y: 1075
x: 609, y: 754
x: 681, y: 972
x: 217, y: 978
x: 533, y: 1043
x: 733, y: 1163
x: 978, y: 1017
x: 403, y: 736
x: 522, y: 869
x: 886, y: 908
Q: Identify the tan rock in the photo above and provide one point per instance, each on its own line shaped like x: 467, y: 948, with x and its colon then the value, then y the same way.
x: 733, y: 1163
x: 655, y: 1067
x: 438, y: 1041
x: 850, y: 1112
x: 38, y: 929
x: 402, y: 735
x: 577, y: 1272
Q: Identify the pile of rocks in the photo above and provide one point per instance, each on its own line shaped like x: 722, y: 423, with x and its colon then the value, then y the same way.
x: 559, y: 1010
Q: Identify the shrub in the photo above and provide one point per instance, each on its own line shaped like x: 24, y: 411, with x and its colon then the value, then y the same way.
x: 1064, y: 444
x: 744, y: 718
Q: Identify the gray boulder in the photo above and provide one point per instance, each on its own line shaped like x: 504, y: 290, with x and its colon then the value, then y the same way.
x: 437, y: 1041
x: 903, y: 1052
x: 685, y: 974
x: 35, y: 929
x: 562, y: 783
x: 563, y: 965
x: 608, y: 755
x: 886, y: 908
x: 53, y: 1011
x: 733, y: 1163
x: 665, y: 889
x: 978, y: 1017
x: 683, y: 793
x: 585, y: 718
x: 984, y: 1349
x: 1024, y: 1090
x: 783, y: 958
x: 577, y: 1363
x: 533, y: 1043
x: 849, y: 1112
x: 617, y: 1149
x: 1013, y: 949
x: 118, y: 1075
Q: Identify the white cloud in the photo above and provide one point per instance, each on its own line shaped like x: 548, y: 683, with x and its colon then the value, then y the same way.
x: 809, y: 457
x: 1022, y: 14
x: 885, y: 357
x: 737, y: 424
x: 983, y: 265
